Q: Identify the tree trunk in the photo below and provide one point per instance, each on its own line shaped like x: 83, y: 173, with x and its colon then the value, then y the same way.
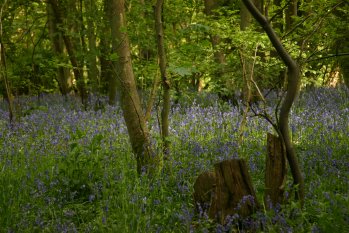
x: 146, y: 50
x: 293, y: 79
x: 275, y: 172
x: 77, y: 67
x: 165, y: 81
x: 108, y: 80
x: 245, y: 17
x: 106, y: 69
x: 219, y: 56
x: 3, y: 68
x: 58, y: 48
x: 246, y: 65
x: 113, y: 19
x: 291, y: 11
x: 152, y: 96
x: 92, y: 69
x: 249, y: 92
x: 278, y: 19
x: 147, y: 160
x: 3, y: 76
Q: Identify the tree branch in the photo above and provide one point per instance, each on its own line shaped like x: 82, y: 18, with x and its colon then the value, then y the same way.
x: 328, y: 56
x: 293, y: 79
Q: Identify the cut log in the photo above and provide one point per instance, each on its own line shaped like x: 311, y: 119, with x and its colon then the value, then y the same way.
x: 275, y: 172
x: 233, y: 192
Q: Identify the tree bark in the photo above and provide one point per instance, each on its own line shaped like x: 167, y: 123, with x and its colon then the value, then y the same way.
x: 147, y: 160
x: 293, y: 79
x: 165, y: 81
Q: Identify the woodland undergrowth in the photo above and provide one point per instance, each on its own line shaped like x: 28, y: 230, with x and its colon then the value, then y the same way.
x: 64, y: 169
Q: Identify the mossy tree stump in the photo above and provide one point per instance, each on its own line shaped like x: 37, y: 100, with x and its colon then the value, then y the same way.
x: 275, y: 171
x: 231, y: 193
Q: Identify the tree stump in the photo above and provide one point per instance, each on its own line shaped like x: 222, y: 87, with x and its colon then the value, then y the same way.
x: 203, y: 188
x: 233, y: 192
x: 275, y: 171
x: 226, y: 191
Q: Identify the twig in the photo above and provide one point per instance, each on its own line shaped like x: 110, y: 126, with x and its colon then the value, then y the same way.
x: 328, y: 56
x: 279, y: 11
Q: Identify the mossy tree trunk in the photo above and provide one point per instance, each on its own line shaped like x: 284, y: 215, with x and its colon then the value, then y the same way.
x: 147, y: 160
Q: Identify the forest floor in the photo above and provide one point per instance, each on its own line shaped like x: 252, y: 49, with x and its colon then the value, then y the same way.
x: 63, y: 169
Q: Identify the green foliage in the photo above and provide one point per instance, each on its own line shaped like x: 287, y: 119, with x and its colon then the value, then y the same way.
x: 75, y: 179
x: 317, y: 31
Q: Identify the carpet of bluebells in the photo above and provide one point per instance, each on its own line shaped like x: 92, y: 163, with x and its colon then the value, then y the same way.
x: 65, y: 169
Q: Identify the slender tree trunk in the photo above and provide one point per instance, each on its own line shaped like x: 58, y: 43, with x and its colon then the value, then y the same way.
x: 152, y: 96
x: 105, y: 66
x: 147, y: 160
x: 108, y: 81
x: 77, y: 68
x: 291, y: 11
x: 293, y: 79
x: 58, y: 48
x: 342, y: 46
x: 3, y: 76
x: 93, y: 75
x: 113, y: 18
x: 3, y: 68
x: 146, y: 51
x: 210, y: 6
x: 248, y: 91
x: 245, y: 17
x: 278, y: 19
x: 245, y: 22
x: 165, y: 81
